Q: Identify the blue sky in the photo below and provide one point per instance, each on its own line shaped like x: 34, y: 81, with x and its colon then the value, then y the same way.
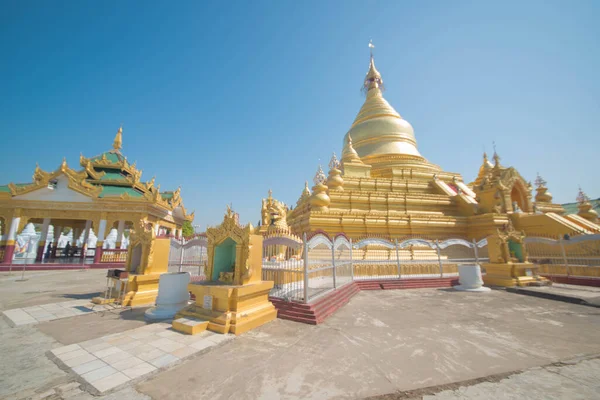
x: 229, y: 99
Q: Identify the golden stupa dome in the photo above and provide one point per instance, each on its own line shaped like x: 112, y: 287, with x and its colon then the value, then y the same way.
x: 380, y: 136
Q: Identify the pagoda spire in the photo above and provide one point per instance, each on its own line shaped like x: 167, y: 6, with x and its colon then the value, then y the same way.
x: 373, y: 79
x: 349, y: 155
x: 118, y: 143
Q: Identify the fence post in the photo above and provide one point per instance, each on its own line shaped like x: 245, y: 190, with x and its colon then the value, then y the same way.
x: 305, y: 267
x: 333, y: 262
x: 437, y: 248
x: 181, y: 256
x: 351, y: 262
x: 398, y: 259
x: 564, y: 254
x: 475, y: 251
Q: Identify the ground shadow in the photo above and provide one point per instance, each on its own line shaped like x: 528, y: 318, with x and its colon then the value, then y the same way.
x: 81, y: 296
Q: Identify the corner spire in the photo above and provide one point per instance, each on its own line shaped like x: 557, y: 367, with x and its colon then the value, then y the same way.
x: 118, y: 143
x: 349, y: 155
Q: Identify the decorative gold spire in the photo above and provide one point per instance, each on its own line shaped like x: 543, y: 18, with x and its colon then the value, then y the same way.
x: 306, y: 191
x: 373, y: 78
x: 586, y: 209
x: 543, y: 195
x: 349, y: 155
x: 118, y: 143
x: 335, y: 180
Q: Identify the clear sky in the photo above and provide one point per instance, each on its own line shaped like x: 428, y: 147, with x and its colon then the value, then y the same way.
x: 229, y: 99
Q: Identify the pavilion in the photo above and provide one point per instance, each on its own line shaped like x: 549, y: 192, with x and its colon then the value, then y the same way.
x: 105, y: 193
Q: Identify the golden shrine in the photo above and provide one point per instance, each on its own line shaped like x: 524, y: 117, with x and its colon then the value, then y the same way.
x: 147, y: 259
x: 383, y: 186
x: 106, y: 192
x: 235, y: 299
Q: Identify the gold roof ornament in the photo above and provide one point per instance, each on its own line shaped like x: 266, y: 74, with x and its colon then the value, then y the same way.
x: 118, y: 143
x: 320, y: 177
x: 349, y: 155
x: 582, y: 197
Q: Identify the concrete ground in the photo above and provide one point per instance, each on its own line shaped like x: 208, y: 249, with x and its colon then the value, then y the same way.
x: 381, y: 343
x: 559, y: 291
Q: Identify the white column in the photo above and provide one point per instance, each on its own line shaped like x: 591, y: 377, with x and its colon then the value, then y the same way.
x: 101, y: 231
x: 86, y: 236
x: 156, y: 228
x: 43, y: 238
x: 14, y: 226
x: 120, y: 229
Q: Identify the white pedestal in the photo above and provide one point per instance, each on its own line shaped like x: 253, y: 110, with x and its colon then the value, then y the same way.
x: 172, y: 296
x: 469, y: 277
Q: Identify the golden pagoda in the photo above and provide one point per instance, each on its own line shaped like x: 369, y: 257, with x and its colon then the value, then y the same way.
x: 383, y: 186
x: 106, y: 192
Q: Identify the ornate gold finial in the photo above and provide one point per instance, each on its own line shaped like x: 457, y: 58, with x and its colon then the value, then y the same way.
x: 582, y: 197
x: 118, y: 143
x: 539, y: 181
x: 349, y: 155
x: 270, y: 194
x: 334, y: 163
x: 373, y: 79
x: 306, y: 189
x: 320, y: 177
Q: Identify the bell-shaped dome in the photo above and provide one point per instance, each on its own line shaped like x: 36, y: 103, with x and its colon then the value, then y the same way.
x: 380, y: 136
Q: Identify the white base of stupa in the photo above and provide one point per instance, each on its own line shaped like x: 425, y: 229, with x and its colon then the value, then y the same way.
x: 469, y: 277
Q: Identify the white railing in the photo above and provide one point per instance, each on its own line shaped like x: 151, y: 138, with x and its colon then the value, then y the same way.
x: 304, y: 270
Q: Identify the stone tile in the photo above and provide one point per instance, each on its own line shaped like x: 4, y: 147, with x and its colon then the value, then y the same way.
x: 151, y: 355
x: 107, y: 351
x: 99, y: 373
x: 72, y: 354
x: 140, y: 334
x: 110, y: 382
x: 115, y: 357
x: 18, y: 314
x: 50, y: 317
x: 66, y: 349
x: 41, y: 314
x: 77, y: 361
x: 170, y: 334
x: 89, y: 343
x: 34, y: 308
x: 26, y: 322
x: 142, y: 348
x: 120, y: 340
x: 89, y: 366
x: 139, y: 370
x: 185, y: 352
x: 126, y: 363
x: 51, y: 307
x: 166, y: 345
x: 163, y: 361
x: 203, y: 344
x: 130, y: 346
x: 97, y: 347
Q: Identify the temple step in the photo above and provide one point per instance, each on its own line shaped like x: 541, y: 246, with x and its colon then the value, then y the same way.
x: 190, y: 326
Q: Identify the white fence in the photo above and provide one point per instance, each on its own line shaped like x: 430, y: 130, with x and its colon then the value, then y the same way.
x: 189, y: 256
x: 304, y: 270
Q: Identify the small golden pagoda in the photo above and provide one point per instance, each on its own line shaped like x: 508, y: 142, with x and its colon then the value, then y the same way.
x: 106, y: 192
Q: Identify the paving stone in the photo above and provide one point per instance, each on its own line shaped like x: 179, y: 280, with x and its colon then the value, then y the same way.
x: 77, y: 361
x: 43, y: 395
x: 169, y: 334
x: 115, y: 357
x: 120, y: 340
x: 67, y: 387
x: 66, y: 349
x: 126, y: 363
x: 107, y: 351
x: 110, y: 382
x: 166, y: 345
x: 130, y: 346
x: 163, y: 361
x: 99, y: 373
x: 139, y: 370
x: 97, y: 347
x: 141, y: 334
x: 89, y: 366
x: 142, y: 348
x: 185, y: 352
x: 72, y: 354
x: 18, y: 315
